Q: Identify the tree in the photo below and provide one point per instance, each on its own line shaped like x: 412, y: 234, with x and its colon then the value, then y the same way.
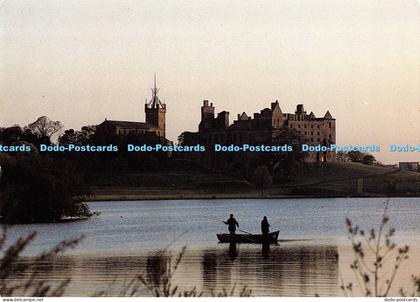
x: 368, y: 159
x: 82, y: 137
x: 342, y: 156
x: 11, y: 134
x: 355, y: 156
x: 36, y: 189
x: 360, y: 157
x: 43, y: 126
x: 15, y: 134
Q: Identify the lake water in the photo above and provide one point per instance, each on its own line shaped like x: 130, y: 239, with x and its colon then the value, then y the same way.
x: 138, y: 237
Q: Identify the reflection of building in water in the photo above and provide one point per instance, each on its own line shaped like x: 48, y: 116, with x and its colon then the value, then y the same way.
x: 156, y: 268
x: 290, y: 270
x: 216, y: 269
x: 313, y: 268
x: 209, y: 269
x: 287, y: 271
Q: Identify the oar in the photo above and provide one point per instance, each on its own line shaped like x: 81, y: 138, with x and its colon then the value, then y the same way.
x: 247, y: 237
x: 245, y: 232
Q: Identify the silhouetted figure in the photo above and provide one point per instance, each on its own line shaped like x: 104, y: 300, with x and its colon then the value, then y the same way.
x: 232, y: 224
x: 265, y: 227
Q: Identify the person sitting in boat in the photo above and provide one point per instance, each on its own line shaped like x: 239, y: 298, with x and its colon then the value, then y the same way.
x: 232, y: 224
x: 265, y: 227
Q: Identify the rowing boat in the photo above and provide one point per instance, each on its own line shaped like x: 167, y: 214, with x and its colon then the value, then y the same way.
x: 249, y: 238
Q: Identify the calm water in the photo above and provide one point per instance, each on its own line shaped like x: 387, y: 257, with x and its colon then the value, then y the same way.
x: 137, y: 237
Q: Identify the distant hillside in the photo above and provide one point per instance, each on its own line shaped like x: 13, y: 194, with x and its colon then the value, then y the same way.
x: 189, y: 180
x: 341, y: 179
x: 184, y: 179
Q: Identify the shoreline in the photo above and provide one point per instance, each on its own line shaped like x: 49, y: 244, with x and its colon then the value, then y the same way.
x: 140, y: 197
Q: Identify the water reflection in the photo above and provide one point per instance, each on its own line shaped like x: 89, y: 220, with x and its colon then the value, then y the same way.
x: 265, y: 250
x: 276, y: 270
x: 233, y: 253
x: 155, y: 268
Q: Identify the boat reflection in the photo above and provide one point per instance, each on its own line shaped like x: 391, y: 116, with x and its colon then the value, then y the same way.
x: 269, y: 270
x: 276, y: 270
x: 233, y: 251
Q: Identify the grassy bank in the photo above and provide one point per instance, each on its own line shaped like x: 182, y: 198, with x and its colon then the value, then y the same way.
x: 341, y: 179
x: 312, y: 180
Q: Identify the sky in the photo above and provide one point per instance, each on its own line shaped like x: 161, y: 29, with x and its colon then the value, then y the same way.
x: 81, y: 61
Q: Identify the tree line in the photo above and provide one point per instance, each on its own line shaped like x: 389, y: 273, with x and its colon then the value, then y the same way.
x: 49, y: 186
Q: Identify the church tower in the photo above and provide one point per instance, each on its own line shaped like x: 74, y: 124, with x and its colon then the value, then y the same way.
x: 155, y: 111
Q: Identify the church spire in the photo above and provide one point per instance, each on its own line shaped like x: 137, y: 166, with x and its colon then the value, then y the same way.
x: 155, y: 111
x: 155, y: 102
x: 155, y: 79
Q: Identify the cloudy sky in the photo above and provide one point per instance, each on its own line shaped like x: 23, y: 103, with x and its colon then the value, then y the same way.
x: 81, y: 61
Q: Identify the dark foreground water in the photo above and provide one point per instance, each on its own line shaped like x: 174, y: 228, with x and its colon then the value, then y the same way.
x: 139, y: 237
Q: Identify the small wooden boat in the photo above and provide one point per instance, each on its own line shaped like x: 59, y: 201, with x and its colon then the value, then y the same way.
x: 249, y: 238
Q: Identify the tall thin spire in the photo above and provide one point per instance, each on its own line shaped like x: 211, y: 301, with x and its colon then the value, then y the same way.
x: 155, y: 90
x: 155, y: 101
x: 155, y: 81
